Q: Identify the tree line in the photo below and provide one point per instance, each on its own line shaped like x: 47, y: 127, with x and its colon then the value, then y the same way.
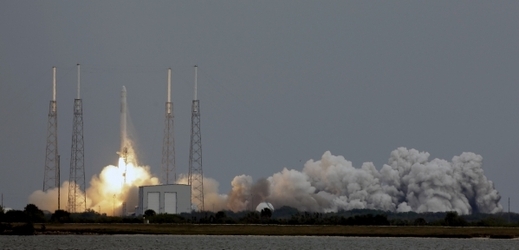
x: 22, y: 221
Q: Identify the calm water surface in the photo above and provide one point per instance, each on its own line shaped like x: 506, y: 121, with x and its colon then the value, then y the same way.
x: 243, y: 242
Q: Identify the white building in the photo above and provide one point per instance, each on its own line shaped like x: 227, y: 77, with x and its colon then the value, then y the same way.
x: 170, y: 199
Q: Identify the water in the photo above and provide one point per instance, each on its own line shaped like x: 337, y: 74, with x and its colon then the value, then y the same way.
x: 244, y: 242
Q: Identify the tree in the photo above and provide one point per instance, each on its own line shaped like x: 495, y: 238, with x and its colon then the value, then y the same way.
x: 266, y: 213
x: 87, y: 216
x: 284, y: 212
x: 420, y: 222
x: 33, y: 213
x: 220, y: 216
x: 452, y: 219
x: 149, y: 213
x: 251, y: 217
x: 61, y: 216
x: 15, y: 216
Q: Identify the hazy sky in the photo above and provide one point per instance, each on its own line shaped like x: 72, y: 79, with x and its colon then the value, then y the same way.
x: 280, y: 82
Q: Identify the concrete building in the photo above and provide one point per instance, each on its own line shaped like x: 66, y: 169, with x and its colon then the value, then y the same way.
x: 170, y: 199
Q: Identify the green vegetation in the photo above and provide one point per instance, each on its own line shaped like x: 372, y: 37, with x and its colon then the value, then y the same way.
x: 283, y: 221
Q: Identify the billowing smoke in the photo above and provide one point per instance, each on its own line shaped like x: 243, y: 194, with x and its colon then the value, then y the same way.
x: 213, y: 200
x: 108, y: 191
x: 115, y: 186
x: 49, y: 200
x: 409, y: 182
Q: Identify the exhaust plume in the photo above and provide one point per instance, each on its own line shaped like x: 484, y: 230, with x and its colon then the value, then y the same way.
x: 409, y: 182
x: 107, y: 191
x: 115, y: 185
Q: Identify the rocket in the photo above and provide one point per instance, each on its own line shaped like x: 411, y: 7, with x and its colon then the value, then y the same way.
x: 124, y: 148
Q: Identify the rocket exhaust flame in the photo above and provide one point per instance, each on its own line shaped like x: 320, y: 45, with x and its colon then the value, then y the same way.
x: 118, y: 185
x: 115, y: 185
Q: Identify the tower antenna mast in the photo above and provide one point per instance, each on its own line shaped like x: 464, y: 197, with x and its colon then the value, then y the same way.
x: 50, y: 171
x: 196, y: 176
x: 76, y: 188
x: 168, y: 147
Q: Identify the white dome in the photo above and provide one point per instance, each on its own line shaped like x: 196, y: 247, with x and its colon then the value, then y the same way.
x: 264, y: 205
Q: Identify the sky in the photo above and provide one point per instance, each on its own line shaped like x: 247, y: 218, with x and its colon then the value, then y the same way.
x: 279, y: 83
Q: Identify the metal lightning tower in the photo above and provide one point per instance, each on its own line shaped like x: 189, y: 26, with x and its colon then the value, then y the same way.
x: 76, y: 188
x: 195, y: 177
x: 168, y: 147
x: 51, y: 173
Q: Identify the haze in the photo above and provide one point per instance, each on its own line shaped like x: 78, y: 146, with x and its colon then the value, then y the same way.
x: 279, y: 83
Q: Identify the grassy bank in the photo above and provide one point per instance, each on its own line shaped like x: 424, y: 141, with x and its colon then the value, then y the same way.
x: 193, y: 229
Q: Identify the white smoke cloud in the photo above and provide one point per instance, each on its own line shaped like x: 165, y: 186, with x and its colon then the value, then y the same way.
x: 213, y: 200
x: 48, y: 201
x: 409, y: 182
x: 107, y: 191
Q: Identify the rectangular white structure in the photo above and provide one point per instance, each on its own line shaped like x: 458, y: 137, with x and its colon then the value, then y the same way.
x: 154, y: 201
x: 170, y: 203
x: 170, y: 199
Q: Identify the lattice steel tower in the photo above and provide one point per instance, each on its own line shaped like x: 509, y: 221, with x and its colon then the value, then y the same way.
x: 51, y: 171
x: 168, y: 147
x: 195, y: 177
x: 76, y: 188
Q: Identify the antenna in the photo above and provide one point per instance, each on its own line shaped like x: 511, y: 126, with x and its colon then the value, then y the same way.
x: 196, y: 176
x: 168, y: 145
x: 78, y: 80
x: 195, y: 98
x: 169, y: 84
x: 76, y: 185
x: 50, y: 171
x: 54, y: 84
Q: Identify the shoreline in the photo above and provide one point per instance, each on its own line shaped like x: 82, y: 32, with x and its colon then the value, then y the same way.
x: 279, y: 230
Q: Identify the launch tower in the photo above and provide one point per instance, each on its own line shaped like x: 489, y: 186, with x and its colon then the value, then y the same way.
x: 168, y: 147
x: 51, y: 172
x: 76, y: 189
x: 195, y: 177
